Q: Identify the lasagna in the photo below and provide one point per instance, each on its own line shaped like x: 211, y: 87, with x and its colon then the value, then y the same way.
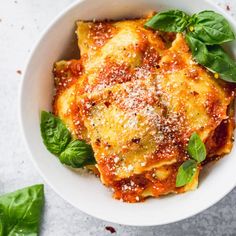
x: 136, y: 96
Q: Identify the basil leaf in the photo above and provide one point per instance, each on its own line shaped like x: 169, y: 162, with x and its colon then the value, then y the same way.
x: 186, y: 172
x: 169, y: 21
x: 213, y: 58
x: 57, y: 137
x: 2, y: 223
x: 54, y: 133
x: 220, y: 62
x: 196, y: 148
x: 211, y: 28
x: 77, y: 154
x: 199, y: 49
x: 20, y: 211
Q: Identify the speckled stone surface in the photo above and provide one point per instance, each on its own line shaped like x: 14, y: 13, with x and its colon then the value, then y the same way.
x: 21, y: 22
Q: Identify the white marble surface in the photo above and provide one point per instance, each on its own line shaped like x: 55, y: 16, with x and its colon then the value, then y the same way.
x: 21, y: 22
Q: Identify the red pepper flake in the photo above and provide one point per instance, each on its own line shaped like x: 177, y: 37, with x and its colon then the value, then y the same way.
x: 111, y: 229
x: 107, y: 104
x: 227, y: 8
x: 136, y: 140
x: 19, y: 72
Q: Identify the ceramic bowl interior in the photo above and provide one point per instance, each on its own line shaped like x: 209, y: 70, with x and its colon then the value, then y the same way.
x: 85, y: 191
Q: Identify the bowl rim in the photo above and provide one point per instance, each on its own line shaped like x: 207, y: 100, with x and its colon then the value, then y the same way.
x: 34, y: 48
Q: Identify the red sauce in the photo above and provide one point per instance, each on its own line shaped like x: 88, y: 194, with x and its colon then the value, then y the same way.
x: 113, y: 73
x: 219, y: 138
x: 107, y: 165
x: 193, y: 73
x: 65, y: 78
x: 151, y: 58
x: 130, y: 189
x: 213, y: 106
x: 75, y: 67
x: 176, y: 62
x: 78, y: 123
x: 101, y: 32
x: 68, y: 75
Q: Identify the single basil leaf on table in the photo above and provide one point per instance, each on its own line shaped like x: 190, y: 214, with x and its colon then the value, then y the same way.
x: 169, y: 21
x: 196, y: 148
x: 211, y: 28
x: 214, y: 58
x: 77, y: 154
x: 20, y: 211
x: 54, y: 133
x: 2, y: 223
x: 186, y: 172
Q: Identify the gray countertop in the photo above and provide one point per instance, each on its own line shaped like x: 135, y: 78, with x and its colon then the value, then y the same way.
x: 21, y: 22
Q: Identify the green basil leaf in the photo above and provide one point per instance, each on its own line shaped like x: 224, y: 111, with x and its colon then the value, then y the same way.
x: 57, y: 139
x: 54, y: 133
x: 196, y: 148
x: 77, y: 154
x: 186, y: 172
x: 20, y: 211
x: 2, y: 223
x: 198, y: 48
x: 220, y: 62
x: 213, y: 58
x: 211, y: 28
x: 169, y: 21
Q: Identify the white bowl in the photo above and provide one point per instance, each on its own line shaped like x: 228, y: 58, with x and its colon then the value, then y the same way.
x: 85, y: 191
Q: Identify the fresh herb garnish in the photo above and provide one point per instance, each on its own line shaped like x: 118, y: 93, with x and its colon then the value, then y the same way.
x: 197, y: 151
x: 54, y: 133
x: 169, y: 21
x: 211, y: 28
x: 20, y: 211
x: 77, y: 154
x: 186, y: 172
x: 204, y: 32
x: 196, y: 148
x: 57, y: 139
x: 214, y: 58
